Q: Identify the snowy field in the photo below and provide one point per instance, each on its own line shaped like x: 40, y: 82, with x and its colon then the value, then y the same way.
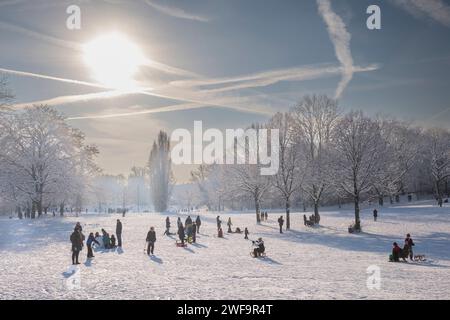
x: 321, y: 263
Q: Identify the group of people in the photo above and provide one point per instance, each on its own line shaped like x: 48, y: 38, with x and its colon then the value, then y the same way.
x: 402, y: 253
x: 105, y: 241
x: 188, y: 231
x: 264, y: 215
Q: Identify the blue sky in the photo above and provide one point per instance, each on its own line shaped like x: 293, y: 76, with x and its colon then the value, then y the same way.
x: 228, y: 63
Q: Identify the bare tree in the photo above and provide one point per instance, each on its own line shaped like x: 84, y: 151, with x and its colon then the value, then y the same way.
x: 358, y: 150
x: 315, y: 118
x: 289, y: 178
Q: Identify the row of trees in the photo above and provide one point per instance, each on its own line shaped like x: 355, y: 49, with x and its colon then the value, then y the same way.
x: 329, y: 156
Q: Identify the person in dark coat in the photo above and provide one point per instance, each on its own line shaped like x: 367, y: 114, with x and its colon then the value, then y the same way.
x: 396, y: 253
x: 151, y: 239
x: 198, y: 222
x: 89, y: 242
x: 188, y: 226
x: 119, y: 233
x: 179, y: 223
x: 79, y: 227
x: 194, y: 232
x: 375, y: 214
x: 219, y: 223
x: 106, y: 239
x: 77, y: 245
x: 409, y: 243
x: 258, y: 247
x: 280, y: 223
x: 167, y: 232
x: 246, y: 233
x: 181, y: 234
x: 229, y: 224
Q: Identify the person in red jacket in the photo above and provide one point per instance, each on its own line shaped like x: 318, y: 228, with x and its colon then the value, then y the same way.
x: 396, y: 253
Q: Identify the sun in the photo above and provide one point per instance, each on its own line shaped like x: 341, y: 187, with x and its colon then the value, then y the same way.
x: 114, y: 60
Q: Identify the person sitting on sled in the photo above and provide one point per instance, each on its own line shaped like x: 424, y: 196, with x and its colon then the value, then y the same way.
x: 258, y: 247
x: 396, y: 253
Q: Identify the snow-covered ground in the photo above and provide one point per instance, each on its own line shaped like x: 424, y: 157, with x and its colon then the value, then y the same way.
x: 304, y: 263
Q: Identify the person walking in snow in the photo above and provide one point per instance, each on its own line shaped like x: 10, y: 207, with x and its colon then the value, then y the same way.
x: 167, y: 232
x: 280, y: 223
x: 119, y: 233
x: 219, y: 222
x: 198, y: 222
x: 90, y: 241
x: 375, y: 214
x: 151, y: 239
x: 181, y: 234
x: 246, y: 233
x: 77, y: 245
x: 229, y: 224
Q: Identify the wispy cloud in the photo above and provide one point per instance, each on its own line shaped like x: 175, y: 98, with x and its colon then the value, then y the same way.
x: 46, y: 77
x: 40, y: 36
x: 267, y: 78
x: 176, y: 12
x: 341, y: 41
x: 62, y: 100
x: 437, y: 10
x: 176, y: 107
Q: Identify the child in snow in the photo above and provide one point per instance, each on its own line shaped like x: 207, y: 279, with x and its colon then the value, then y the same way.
x: 220, y: 233
x: 246, y: 233
x: 113, y: 241
x: 98, y: 240
x: 396, y: 253
x: 409, y: 243
x: 106, y: 239
x: 89, y: 242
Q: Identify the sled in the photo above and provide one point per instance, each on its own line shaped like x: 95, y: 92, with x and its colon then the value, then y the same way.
x: 419, y: 258
x: 178, y: 243
x: 261, y: 255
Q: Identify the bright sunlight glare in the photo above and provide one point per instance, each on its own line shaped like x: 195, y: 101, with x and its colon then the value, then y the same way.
x: 114, y: 60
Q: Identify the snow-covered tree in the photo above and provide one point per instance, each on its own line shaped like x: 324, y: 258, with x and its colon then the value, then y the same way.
x: 290, y: 175
x: 160, y: 172
x: 43, y: 158
x: 315, y: 118
x: 358, y: 151
x: 437, y: 146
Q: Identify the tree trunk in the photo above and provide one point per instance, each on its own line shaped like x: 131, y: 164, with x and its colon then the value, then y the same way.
x: 357, y: 219
x: 258, y: 217
x: 288, y: 214
x: 19, y: 212
x: 61, y: 209
x: 33, y: 210
x: 316, y: 212
x: 381, y: 200
x: 397, y: 198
